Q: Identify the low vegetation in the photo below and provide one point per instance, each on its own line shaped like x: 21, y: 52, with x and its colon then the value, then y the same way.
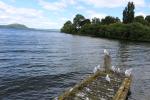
x: 130, y: 28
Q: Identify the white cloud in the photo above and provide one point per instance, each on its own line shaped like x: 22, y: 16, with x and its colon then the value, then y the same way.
x: 80, y: 7
x: 30, y: 17
x: 92, y: 14
x: 57, y: 5
x: 139, y: 3
x: 72, y: 2
x: 52, y: 6
x: 13, y: 1
x: 113, y: 3
x: 141, y: 13
x: 64, y: 19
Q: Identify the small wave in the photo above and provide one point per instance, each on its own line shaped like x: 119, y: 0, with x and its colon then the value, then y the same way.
x: 37, y: 83
x: 5, y: 59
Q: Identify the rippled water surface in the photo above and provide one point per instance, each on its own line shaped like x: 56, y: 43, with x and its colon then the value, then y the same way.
x: 41, y: 65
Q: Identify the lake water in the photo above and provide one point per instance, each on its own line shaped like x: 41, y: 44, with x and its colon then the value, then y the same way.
x: 41, y: 65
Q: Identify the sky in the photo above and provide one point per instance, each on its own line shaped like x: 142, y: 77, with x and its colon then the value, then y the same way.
x: 52, y: 14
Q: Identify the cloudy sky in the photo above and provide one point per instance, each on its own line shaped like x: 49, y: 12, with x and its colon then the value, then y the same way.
x: 51, y: 14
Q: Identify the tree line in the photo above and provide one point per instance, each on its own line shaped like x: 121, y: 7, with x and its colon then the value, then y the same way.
x: 130, y: 28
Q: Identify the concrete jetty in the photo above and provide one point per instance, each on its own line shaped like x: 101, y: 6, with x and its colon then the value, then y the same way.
x: 97, y: 87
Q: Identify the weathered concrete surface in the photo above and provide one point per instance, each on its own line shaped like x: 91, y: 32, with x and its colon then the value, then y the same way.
x: 96, y: 87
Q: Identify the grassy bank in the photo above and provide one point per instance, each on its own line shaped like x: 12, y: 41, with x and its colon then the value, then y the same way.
x: 133, y: 31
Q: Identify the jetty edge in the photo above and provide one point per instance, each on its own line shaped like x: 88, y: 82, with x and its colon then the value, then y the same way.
x: 96, y: 87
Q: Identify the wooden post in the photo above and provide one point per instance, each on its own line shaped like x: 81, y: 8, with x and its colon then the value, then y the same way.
x: 107, y: 63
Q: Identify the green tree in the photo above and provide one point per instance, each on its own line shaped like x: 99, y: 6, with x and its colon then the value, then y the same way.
x: 77, y: 20
x: 140, y: 19
x: 125, y: 19
x: 117, y: 19
x: 109, y: 20
x: 96, y: 20
x: 68, y: 27
x: 86, y: 21
x: 147, y: 18
x: 128, y: 13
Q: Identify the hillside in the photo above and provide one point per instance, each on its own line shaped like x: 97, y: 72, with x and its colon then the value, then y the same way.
x: 17, y: 26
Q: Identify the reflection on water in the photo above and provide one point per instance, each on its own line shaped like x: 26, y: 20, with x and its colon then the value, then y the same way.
x: 137, y: 56
x: 41, y: 65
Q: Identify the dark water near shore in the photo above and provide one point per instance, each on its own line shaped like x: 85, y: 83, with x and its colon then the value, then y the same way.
x: 40, y: 65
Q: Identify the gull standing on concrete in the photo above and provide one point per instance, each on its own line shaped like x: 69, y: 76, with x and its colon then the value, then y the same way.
x: 70, y: 89
x: 98, y: 67
x: 95, y: 70
x: 113, y: 68
x: 118, y: 70
x: 128, y: 72
x: 56, y: 98
x: 106, y: 52
x: 87, y: 98
x: 107, y: 78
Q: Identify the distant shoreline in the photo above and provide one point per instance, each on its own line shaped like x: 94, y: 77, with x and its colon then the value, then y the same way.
x: 23, y: 27
x: 15, y: 25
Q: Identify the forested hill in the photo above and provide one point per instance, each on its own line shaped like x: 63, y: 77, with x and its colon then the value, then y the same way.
x: 18, y: 26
